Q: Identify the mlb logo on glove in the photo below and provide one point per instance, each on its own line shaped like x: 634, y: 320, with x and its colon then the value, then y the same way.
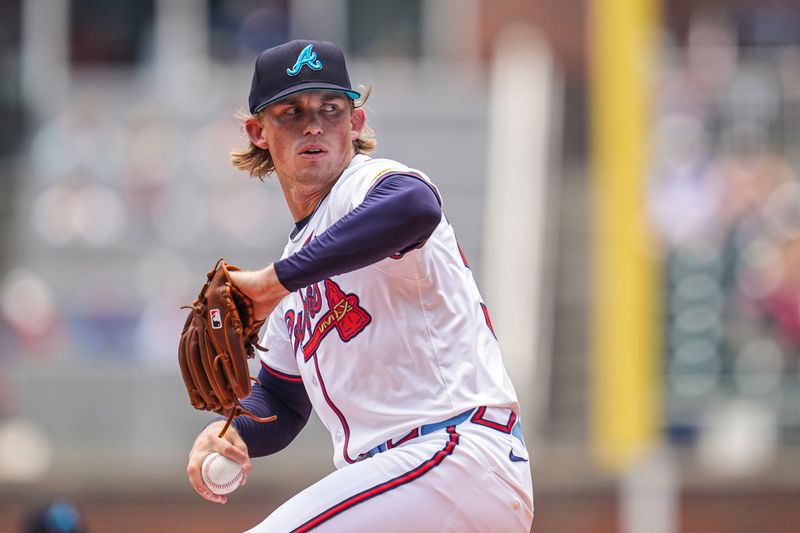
x: 216, y: 323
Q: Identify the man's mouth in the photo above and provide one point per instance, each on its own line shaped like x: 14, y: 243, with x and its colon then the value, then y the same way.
x: 312, y: 151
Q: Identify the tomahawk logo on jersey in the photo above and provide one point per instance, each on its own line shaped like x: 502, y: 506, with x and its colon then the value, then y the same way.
x: 345, y: 316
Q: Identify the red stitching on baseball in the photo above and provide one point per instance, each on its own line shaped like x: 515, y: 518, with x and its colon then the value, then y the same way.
x: 209, y: 481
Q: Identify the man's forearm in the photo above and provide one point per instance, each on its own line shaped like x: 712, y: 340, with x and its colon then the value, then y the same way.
x: 275, y: 396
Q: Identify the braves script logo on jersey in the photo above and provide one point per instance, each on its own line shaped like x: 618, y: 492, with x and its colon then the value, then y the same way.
x: 344, y: 315
x: 306, y: 57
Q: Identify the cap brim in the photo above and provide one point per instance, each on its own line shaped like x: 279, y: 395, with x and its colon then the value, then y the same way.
x: 308, y: 86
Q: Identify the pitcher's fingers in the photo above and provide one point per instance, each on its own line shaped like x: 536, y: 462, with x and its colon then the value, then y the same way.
x: 247, y: 466
x: 233, y: 452
x: 196, y: 482
x: 236, y: 439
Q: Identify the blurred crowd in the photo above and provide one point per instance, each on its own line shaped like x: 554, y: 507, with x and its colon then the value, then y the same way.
x: 725, y: 201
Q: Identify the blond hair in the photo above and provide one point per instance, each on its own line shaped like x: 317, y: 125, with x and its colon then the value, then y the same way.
x: 258, y: 162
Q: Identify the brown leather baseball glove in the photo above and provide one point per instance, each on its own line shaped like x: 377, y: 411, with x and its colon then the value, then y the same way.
x: 218, y: 338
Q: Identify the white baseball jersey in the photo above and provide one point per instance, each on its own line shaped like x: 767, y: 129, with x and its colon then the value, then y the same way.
x: 401, y: 343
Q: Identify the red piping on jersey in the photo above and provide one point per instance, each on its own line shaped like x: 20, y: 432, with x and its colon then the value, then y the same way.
x: 487, y: 319
x: 463, y: 257
x: 386, y: 486
x: 477, y: 418
x: 279, y: 374
x: 336, y: 410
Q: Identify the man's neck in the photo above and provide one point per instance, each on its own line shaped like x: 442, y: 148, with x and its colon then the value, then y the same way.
x: 302, y: 197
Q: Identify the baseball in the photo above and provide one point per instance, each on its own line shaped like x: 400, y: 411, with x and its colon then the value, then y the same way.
x: 220, y: 474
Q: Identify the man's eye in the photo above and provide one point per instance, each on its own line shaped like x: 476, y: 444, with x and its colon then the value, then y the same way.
x: 330, y: 107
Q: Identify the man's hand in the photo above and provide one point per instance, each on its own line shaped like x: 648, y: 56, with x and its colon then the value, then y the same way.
x: 262, y: 287
x: 231, y: 446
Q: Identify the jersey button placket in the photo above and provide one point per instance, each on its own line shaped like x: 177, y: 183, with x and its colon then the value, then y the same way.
x: 315, y: 381
x: 338, y: 436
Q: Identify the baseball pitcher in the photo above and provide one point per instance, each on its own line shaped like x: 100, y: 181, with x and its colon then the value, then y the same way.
x: 373, y: 319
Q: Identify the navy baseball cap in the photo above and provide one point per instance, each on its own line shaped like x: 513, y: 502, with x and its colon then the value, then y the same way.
x: 298, y: 66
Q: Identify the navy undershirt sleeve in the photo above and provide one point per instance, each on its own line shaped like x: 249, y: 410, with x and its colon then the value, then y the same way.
x: 397, y: 215
x: 274, y: 396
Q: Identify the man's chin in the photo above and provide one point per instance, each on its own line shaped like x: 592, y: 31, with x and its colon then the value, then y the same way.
x: 315, y: 171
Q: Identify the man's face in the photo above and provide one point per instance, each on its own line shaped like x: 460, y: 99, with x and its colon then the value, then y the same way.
x: 310, y: 135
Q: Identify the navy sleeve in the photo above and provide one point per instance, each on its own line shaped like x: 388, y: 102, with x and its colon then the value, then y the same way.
x: 275, y: 396
x: 397, y: 215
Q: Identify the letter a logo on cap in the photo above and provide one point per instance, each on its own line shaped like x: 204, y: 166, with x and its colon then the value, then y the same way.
x: 306, y: 57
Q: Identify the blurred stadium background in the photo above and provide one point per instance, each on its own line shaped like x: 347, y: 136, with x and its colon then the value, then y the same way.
x: 622, y: 175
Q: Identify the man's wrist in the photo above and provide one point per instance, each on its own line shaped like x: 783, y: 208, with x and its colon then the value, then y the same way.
x: 273, y: 288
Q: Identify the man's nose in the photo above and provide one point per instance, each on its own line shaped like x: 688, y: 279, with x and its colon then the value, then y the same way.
x: 313, y: 124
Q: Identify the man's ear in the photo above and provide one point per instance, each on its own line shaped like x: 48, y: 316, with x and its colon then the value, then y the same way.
x: 357, y: 120
x: 255, y: 131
